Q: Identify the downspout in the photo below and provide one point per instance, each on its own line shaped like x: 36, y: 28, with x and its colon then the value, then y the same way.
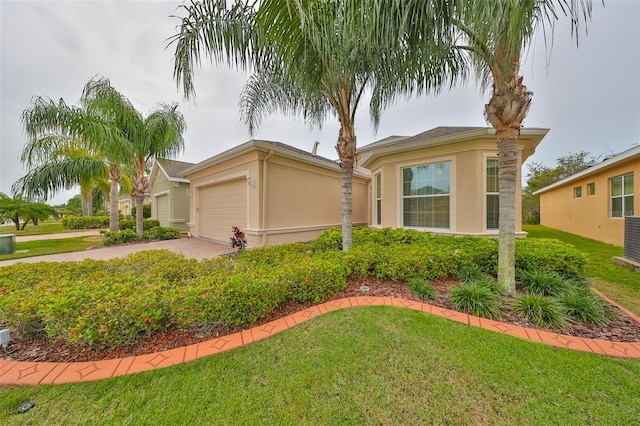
x: 263, y: 219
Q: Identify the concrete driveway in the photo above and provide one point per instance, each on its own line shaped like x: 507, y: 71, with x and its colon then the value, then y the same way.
x: 190, y: 247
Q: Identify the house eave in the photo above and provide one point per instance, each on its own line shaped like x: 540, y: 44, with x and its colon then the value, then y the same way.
x: 610, y: 162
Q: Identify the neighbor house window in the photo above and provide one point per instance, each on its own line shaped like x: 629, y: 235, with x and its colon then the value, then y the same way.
x: 591, y: 189
x: 378, y: 199
x: 492, y: 194
x: 426, y: 193
x: 622, y: 196
x: 577, y: 192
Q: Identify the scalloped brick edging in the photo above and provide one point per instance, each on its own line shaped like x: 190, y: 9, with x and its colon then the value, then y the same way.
x: 37, y: 373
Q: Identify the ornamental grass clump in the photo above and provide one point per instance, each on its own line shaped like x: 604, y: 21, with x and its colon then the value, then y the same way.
x: 544, y: 311
x: 476, y: 299
x: 543, y: 283
x: 583, y: 306
x: 422, y: 288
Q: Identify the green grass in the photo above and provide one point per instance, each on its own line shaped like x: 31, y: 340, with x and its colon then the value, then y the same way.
x: 31, y: 229
x: 361, y: 366
x: 617, y: 283
x: 42, y: 247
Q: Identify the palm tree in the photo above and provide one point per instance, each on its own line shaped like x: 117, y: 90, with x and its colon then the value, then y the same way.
x: 70, y: 145
x: 142, y: 139
x: 491, y: 35
x: 309, y: 58
x: 55, y: 162
x: 16, y: 208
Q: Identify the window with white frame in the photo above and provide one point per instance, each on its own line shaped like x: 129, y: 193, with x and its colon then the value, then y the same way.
x: 492, y: 194
x: 426, y: 191
x: 378, y: 184
x: 622, y: 195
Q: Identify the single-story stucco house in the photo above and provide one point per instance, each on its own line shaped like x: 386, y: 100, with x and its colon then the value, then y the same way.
x: 170, y: 193
x: 594, y: 202
x: 125, y: 204
x: 444, y: 180
x: 273, y: 192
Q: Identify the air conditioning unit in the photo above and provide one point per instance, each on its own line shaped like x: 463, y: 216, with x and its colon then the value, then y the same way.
x: 632, y: 238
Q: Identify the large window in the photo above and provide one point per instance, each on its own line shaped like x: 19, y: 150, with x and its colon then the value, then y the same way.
x: 426, y: 195
x: 622, y: 196
x: 378, y: 199
x: 492, y: 195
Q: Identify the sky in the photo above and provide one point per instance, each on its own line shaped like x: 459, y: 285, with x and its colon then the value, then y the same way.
x: 589, y: 96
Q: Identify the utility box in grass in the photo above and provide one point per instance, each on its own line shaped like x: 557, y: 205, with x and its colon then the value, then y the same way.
x: 631, y: 259
x: 7, y: 244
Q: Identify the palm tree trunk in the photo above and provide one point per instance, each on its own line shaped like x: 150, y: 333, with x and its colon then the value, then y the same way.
x: 139, y: 188
x: 114, y: 216
x: 507, y: 141
x: 347, y: 150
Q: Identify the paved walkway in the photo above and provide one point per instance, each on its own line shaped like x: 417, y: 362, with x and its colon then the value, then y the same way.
x: 37, y: 373
x: 61, y: 235
x: 190, y: 247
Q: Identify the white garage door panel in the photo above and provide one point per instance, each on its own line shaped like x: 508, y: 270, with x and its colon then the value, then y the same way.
x: 222, y: 206
x: 162, y: 210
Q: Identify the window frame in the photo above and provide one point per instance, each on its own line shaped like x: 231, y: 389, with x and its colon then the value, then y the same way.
x: 490, y: 193
x: 377, y: 188
x: 577, y: 191
x: 591, y: 189
x: 449, y: 195
x: 623, y: 196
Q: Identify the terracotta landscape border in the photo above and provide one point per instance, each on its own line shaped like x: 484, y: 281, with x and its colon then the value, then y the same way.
x: 38, y: 373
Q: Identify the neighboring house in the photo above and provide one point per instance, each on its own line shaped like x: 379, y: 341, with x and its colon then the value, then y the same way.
x: 273, y: 192
x: 170, y: 193
x: 125, y: 203
x: 444, y: 180
x: 594, y: 202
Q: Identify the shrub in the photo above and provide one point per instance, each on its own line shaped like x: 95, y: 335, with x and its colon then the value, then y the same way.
x: 543, y: 310
x: 238, y: 239
x: 119, y: 237
x: 543, y: 283
x: 488, y: 282
x: 477, y: 300
x: 131, y: 224
x: 422, y: 288
x: 85, y: 222
x: 163, y: 233
x: 549, y: 255
x: 583, y: 306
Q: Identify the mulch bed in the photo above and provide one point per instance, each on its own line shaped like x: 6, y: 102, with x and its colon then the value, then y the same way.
x: 624, y: 329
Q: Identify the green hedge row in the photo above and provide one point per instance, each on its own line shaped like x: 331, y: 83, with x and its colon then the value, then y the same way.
x: 96, y: 222
x: 116, y: 302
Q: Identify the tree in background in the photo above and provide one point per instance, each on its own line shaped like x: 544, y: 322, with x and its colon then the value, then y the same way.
x: 139, y: 139
x: 540, y: 176
x: 310, y: 58
x: 112, y: 135
x: 17, y: 208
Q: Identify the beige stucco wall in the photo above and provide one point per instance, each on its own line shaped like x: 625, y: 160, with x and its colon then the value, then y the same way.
x: 287, y: 200
x: 589, y: 216
x: 467, y: 198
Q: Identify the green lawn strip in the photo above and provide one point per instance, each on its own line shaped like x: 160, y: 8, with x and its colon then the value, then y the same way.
x: 43, y: 247
x: 617, y: 283
x: 368, y: 365
x: 31, y: 229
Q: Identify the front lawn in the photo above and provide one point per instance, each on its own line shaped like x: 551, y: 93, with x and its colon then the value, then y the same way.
x: 53, y: 227
x: 43, y: 247
x: 617, y: 283
x: 364, y: 366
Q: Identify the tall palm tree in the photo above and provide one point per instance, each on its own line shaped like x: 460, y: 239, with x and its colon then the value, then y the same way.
x: 141, y: 139
x: 492, y: 36
x: 70, y: 145
x: 309, y: 58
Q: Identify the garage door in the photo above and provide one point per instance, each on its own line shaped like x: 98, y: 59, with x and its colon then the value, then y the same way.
x: 222, y: 206
x: 162, y: 209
